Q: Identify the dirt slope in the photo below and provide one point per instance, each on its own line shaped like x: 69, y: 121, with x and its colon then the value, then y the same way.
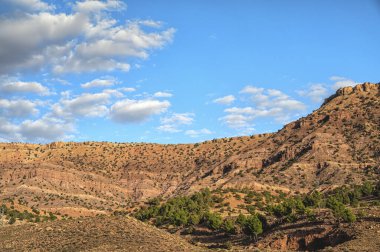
x: 91, y: 234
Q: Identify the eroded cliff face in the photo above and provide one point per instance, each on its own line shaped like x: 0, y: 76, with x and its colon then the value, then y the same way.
x: 336, y: 144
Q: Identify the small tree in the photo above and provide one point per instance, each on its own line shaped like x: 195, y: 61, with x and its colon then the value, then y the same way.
x: 180, y: 218
x: 213, y: 220
x: 253, y: 226
x: 194, y: 219
x: 229, y: 226
x: 241, y: 219
x: 367, y: 188
x: 376, y: 191
x: 348, y: 215
x: 313, y: 199
x: 339, y: 210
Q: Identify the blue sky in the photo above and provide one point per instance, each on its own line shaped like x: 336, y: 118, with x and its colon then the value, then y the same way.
x: 176, y: 71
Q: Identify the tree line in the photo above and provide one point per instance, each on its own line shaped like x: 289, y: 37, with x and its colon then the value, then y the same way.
x: 195, y: 210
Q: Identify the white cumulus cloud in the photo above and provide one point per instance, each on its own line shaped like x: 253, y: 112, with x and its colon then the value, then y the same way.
x: 8, y: 86
x: 84, y: 39
x: 316, y: 92
x: 97, y: 6
x: 173, y: 122
x: 270, y: 103
x: 45, y: 129
x: 135, y: 111
x: 17, y: 108
x: 85, y: 105
x: 30, y: 5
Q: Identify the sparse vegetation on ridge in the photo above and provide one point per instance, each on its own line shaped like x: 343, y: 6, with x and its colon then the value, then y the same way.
x: 201, y: 209
x: 12, y: 215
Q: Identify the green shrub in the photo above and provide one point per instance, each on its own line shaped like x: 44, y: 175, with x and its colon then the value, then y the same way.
x: 179, y: 211
x: 229, y: 226
x: 251, y: 209
x: 313, y: 199
x: 348, y: 215
x: 194, y: 219
x: 339, y: 210
x: 367, y: 188
x: 241, y: 220
x: 213, y: 220
x: 253, y: 225
x: 376, y: 191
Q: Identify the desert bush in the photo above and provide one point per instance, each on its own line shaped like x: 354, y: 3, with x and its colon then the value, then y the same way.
x: 253, y: 225
x: 313, y: 199
x: 340, y: 211
x: 213, y: 220
x: 229, y: 226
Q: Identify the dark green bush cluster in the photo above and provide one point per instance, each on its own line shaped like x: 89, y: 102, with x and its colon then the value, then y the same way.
x: 340, y: 211
x: 194, y: 210
x: 352, y: 195
x: 12, y: 215
x: 337, y: 200
x: 212, y: 220
x: 313, y: 199
x: 340, y: 197
x: 290, y: 208
x: 376, y: 191
x: 181, y: 211
x: 190, y: 211
x: 252, y: 225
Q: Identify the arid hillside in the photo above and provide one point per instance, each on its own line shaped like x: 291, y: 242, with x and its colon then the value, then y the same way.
x: 91, y: 234
x: 336, y: 144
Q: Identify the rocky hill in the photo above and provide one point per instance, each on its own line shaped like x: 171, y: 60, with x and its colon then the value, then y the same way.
x: 337, y: 144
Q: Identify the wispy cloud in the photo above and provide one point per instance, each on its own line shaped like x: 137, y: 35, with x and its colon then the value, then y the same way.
x: 163, y: 94
x: 340, y: 82
x: 225, y: 100
x: 198, y: 133
x: 102, y: 82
